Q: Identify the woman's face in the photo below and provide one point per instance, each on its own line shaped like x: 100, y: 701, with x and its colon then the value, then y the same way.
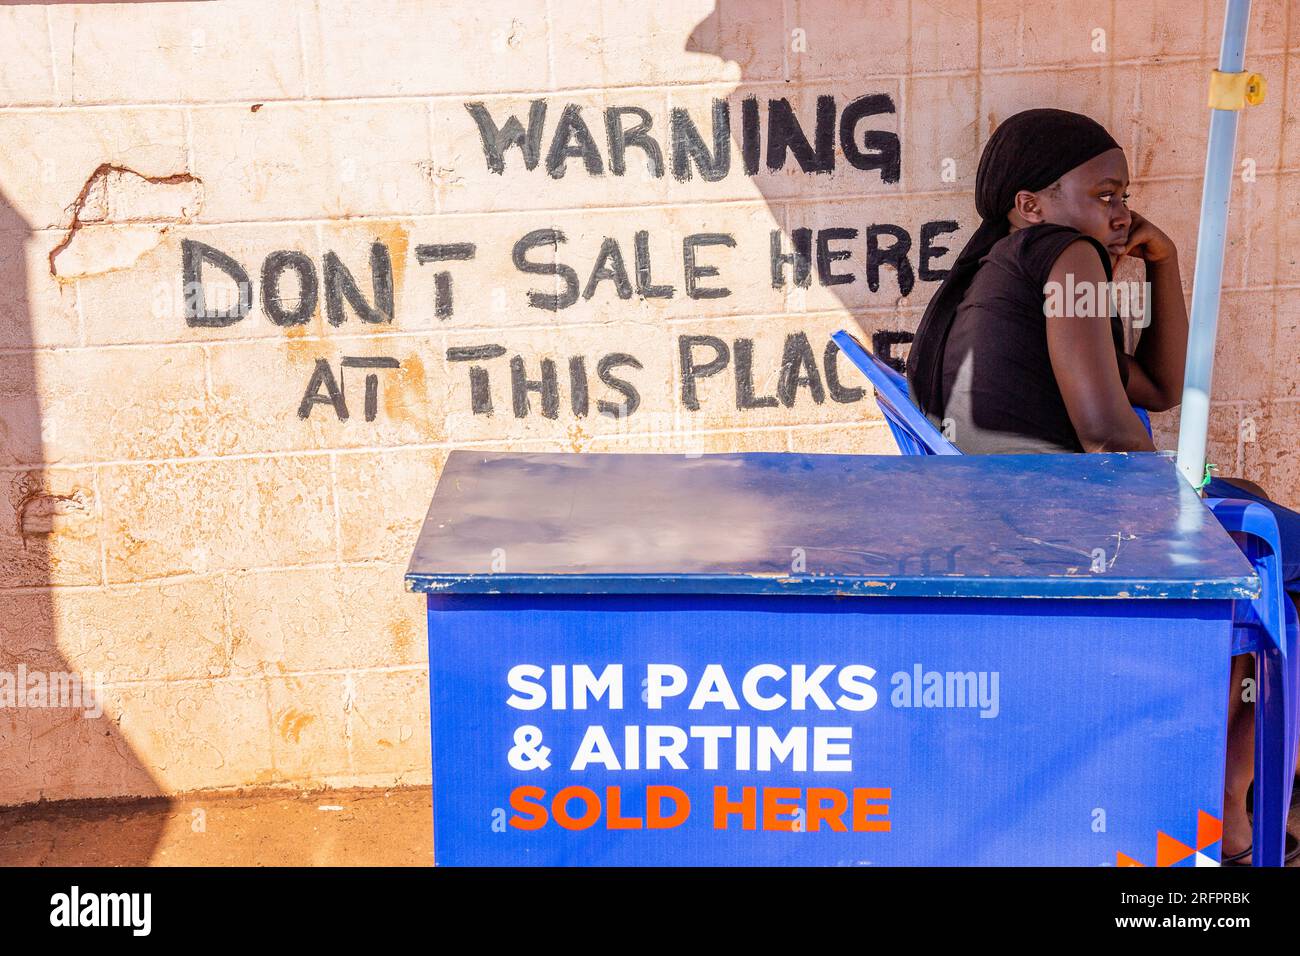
x: 1091, y: 198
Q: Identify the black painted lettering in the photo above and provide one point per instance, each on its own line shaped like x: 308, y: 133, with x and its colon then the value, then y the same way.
x: 800, y: 258
x: 479, y: 390
x: 880, y: 149
x: 372, y: 380
x: 631, y: 397
x: 497, y: 140
x: 882, y: 344
x: 929, y: 251
x: 694, y: 271
x: 547, y: 388
x: 799, y: 368
x: 572, y: 138
x: 578, y: 397
x: 784, y: 133
x: 474, y: 353
x: 691, y: 371
x: 340, y: 285
x: 839, y: 393
x: 645, y: 287
x: 620, y: 139
x: 825, y: 255
x: 194, y: 255
x: 272, y: 298
x: 750, y: 135
x: 688, y: 145
x: 895, y: 255
x: 745, y: 398
x: 550, y: 301
x: 609, y: 265
x: 443, y: 252
x: 323, y: 378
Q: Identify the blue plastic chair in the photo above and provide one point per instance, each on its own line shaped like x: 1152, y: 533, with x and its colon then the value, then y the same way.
x: 1266, y: 626
x: 913, y: 432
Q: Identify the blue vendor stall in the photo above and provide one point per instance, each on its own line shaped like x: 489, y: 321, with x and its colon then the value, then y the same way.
x: 750, y: 659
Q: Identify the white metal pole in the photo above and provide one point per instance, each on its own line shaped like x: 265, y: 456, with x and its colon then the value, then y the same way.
x: 1208, y: 276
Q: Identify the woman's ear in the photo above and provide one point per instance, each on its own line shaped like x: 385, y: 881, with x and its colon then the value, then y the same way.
x: 1028, y: 209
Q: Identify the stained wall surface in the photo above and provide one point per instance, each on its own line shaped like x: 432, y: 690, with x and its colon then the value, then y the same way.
x: 261, y: 272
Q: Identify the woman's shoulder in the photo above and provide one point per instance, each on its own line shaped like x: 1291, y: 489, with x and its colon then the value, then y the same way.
x: 1032, y: 251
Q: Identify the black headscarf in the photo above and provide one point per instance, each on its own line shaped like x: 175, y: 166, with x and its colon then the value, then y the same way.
x: 1030, y: 150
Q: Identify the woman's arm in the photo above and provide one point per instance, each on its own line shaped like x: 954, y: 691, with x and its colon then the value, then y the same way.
x: 1082, y: 351
x: 1156, y: 371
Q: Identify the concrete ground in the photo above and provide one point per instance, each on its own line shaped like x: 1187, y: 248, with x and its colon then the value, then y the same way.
x: 258, y: 828
x: 261, y: 828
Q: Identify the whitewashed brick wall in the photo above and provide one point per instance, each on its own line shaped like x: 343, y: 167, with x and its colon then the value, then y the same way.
x: 234, y: 570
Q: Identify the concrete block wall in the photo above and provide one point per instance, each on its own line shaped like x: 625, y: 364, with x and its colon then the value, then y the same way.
x: 188, y: 513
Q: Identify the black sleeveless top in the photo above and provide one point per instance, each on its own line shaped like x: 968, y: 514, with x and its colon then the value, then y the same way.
x: 1000, y: 394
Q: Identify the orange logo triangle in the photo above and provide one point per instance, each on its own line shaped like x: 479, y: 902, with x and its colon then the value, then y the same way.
x: 1123, y: 859
x: 1170, y: 851
x: 1208, y: 829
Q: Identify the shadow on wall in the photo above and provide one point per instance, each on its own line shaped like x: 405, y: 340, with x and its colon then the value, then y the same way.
x: 55, y: 735
x: 746, y: 32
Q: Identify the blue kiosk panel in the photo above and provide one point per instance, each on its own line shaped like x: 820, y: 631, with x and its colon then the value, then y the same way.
x: 820, y: 659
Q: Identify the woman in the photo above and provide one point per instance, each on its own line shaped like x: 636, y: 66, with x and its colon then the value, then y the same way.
x: 1010, y: 359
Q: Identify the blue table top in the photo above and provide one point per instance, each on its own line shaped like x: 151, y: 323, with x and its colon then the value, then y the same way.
x: 1048, y: 526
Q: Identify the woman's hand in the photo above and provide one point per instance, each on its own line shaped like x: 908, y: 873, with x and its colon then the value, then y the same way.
x: 1147, y: 241
x: 1162, y: 348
